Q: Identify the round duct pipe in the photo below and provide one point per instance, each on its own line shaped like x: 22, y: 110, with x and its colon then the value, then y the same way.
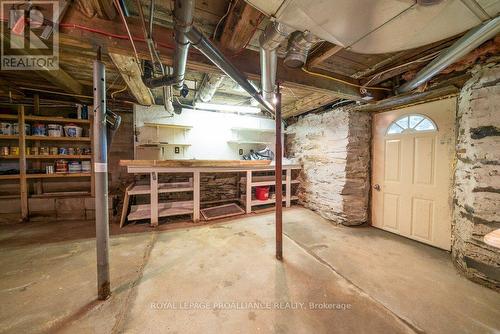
x: 299, y: 45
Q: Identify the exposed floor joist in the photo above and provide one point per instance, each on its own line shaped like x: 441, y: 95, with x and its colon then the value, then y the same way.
x: 241, y: 23
x: 131, y: 74
x: 77, y: 30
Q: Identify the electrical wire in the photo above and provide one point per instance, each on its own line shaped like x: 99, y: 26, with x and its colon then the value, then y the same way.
x: 118, y: 91
x: 419, y: 60
x: 343, y: 81
x: 222, y: 18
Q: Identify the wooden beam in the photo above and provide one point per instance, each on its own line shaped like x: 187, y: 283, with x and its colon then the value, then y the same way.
x: 58, y: 77
x: 131, y: 74
x: 308, y: 103
x: 409, y: 99
x: 76, y: 30
x: 241, y: 24
x: 101, y: 8
x: 322, y: 54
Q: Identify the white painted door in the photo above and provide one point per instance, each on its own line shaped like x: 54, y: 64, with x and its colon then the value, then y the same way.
x: 413, y: 152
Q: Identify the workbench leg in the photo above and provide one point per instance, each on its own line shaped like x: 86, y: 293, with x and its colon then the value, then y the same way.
x: 248, y: 195
x: 288, y: 187
x: 154, y: 199
x: 196, y: 197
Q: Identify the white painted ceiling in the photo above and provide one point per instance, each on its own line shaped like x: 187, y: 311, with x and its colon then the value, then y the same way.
x: 376, y: 26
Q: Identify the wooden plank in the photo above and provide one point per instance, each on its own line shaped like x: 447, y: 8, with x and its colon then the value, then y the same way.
x: 126, y: 198
x: 77, y: 31
x: 22, y: 166
x: 67, y: 139
x: 10, y: 177
x: 322, y: 54
x: 241, y: 23
x: 196, y: 196
x: 138, y: 212
x: 288, y: 188
x: 131, y: 74
x: 57, y: 175
x: 493, y: 238
x: 154, y: 198
x: 194, y: 163
x: 248, y: 194
x: 162, y: 188
x: 50, y: 119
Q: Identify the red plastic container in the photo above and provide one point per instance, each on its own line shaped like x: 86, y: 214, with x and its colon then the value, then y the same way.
x: 262, y: 193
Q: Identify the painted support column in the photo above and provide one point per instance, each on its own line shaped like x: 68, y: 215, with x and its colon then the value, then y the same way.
x: 101, y: 180
x: 278, y: 172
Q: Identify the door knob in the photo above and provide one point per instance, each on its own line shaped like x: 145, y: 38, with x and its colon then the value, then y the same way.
x: 376, y: 187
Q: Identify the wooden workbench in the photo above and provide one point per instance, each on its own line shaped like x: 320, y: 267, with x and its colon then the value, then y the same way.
x: 196, y: 167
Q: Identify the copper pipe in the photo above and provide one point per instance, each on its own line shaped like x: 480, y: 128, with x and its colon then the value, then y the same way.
x: 278, y: 178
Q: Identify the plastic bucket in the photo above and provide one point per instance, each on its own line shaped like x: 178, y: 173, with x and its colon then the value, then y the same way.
x: 72, y: 131
x: 262, y: 193
x: 5, y: 128
x: 54, y: 130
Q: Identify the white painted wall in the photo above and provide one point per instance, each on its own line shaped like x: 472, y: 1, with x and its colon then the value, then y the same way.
x: 210, y: 133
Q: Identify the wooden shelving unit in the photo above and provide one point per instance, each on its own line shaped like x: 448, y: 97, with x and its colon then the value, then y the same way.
x: 158, y: 141
x: 31, y: 184
x: 250, y: 181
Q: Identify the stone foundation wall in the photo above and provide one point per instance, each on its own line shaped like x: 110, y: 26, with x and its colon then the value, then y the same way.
x: 334, y: 151
x: 477, y: 177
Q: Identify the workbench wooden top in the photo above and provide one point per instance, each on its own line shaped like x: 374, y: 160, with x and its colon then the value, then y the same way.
x: 198, y: 163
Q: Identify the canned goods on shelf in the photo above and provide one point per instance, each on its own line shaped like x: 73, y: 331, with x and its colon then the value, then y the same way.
x: 14, y: 150
x: 53, y: 150
x: 71, y: 151
x: 62, y: 150
x: 34, y: 150
x: 44, y: 150
x: 5, y: 128
x: 4, y: 150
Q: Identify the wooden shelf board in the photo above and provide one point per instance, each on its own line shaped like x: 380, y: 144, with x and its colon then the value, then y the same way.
x: 254, y: 130
x: 9, y: 177
x: 9, y: 157
x: 67, y: 139
x: 270, y: 201
x: 249, y: 142
x: 57, y: 175
x: 162, y: 188
x: 168, y: 126
x: 56, y: 119
x: 9, y: 117
x: 155, y: 145
x: 271, y: 183
x: 60, y: 156
x: 62, y: 194
x: 16, y: 137
x: 143, y: 211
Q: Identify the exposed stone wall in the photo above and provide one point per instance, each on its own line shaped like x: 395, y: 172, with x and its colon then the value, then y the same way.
x: 334, y: 151
x: 477, y: 177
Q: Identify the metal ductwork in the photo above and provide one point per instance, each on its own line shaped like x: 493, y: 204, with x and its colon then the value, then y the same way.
x: 185, y: 35
x: 471, y: 40
x: 272, y: 36
x: 208, y: 87
x: 183, y: 22
x: 206, y: 47
x: 298, y: 48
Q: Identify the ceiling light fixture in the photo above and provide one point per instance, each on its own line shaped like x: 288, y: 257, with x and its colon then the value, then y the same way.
x: 227, y: 107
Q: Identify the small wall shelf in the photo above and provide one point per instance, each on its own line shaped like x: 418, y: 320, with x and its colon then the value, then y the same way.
x: 44, y: 119
x: 168, y: 126
x: 57, y: 175
x: 254, y: 130
x: 250, y: 142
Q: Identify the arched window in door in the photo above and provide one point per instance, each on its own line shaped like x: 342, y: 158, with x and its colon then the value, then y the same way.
x: 412, y: 123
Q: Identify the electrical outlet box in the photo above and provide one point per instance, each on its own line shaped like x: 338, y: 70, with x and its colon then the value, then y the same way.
x: 241, y: 151
x: 177, y: 150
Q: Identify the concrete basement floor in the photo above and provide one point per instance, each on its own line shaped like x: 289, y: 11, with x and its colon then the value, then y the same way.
x: 379, y: 282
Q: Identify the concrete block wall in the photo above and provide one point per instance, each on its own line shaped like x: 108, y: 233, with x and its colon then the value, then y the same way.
x: 334, y: 151
x: 477, y: 177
